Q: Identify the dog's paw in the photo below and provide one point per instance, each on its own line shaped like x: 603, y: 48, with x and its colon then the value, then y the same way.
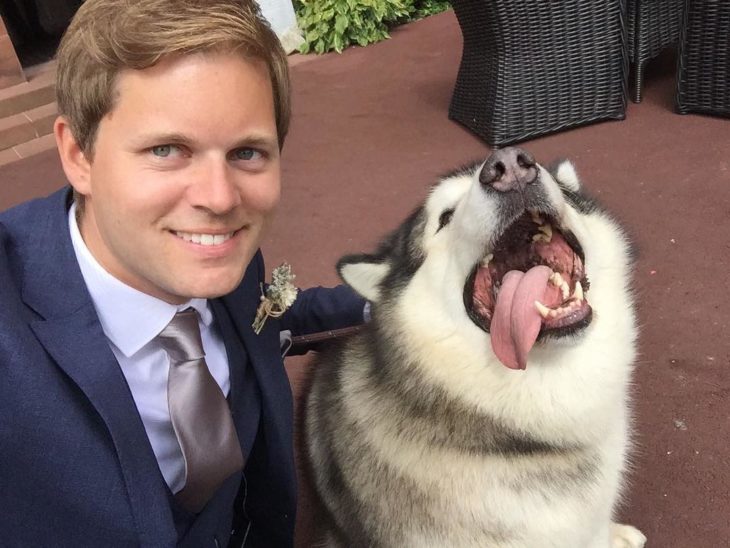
x: 626, y: 536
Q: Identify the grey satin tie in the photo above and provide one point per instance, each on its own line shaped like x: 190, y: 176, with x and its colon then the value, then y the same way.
x: 200, y: 415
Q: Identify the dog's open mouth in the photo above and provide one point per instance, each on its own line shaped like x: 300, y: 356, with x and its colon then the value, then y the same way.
x: 532, y: 285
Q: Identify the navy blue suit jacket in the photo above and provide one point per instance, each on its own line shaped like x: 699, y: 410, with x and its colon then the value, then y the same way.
x: 76, y: 467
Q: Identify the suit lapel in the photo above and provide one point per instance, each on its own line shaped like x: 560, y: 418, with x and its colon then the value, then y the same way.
x: 237, y: 363
x: 270, y: 469
x: 71, y: 333
x: 264, y: 357
x: 79, y: 347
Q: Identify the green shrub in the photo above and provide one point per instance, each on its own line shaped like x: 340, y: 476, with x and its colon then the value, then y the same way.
x: 424, y: 8
x: 336, y: 24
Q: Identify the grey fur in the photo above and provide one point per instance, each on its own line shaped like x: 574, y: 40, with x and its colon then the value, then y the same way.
x: 395, y: 449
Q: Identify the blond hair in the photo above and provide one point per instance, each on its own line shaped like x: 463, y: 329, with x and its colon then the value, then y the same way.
x: 108, y: 36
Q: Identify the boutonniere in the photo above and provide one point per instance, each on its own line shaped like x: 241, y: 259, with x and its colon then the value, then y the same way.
x: 279, y: 296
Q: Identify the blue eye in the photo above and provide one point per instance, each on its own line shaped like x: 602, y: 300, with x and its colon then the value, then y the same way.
x: 169, y: 152
x: 246, y: 154
x: 162, y: 151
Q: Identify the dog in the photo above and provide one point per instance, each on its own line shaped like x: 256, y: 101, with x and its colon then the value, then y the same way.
x: 486, y: 402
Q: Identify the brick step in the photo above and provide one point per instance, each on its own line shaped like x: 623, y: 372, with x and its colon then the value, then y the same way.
x: 39, y: 90
x: 27, y: 113
x: 26, y: 126
x: 27, y: 149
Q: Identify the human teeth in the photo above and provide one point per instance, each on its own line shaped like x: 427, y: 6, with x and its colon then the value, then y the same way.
x: 542, y: 309
x: 204, y: 239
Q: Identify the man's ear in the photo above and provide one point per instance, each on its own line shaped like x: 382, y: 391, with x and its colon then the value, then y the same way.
x: 75, y: 164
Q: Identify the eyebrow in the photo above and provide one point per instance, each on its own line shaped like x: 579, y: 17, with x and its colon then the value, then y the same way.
x: 254, y: 140
x: 152, y: 139
x: 258, y: 141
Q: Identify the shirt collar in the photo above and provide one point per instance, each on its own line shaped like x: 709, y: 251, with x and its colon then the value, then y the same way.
x: 130, y: 319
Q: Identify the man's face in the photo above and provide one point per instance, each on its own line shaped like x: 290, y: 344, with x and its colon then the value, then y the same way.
x: 185, y: 176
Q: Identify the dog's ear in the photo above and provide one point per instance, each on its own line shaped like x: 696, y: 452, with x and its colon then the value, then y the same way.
x: 363, y: 273
x: 564, y: 173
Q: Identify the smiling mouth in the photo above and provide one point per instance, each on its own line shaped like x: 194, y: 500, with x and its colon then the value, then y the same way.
x: 530, y: 286
x: 205, y: 239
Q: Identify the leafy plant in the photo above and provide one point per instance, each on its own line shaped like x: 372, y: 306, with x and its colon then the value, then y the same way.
x: 424, y: 8
x: 336, y: 24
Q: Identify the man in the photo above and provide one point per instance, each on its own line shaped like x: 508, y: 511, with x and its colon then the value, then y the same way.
x: 173, y: 115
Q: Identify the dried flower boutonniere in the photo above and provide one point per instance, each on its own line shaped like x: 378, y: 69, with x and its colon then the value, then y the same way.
x: 279, y: 296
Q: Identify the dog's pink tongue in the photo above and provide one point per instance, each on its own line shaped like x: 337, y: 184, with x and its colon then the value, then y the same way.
x: 516, y: 322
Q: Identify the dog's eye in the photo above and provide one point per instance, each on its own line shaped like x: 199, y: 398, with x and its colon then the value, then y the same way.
x: 445, y: 218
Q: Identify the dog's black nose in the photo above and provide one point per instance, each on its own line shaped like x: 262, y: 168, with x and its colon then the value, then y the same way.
x: 509, y: 169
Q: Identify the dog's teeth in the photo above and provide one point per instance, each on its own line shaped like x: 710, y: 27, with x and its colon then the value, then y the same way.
x: 536, y: 217
x: 546, y: 229
x: 545, y: 233
x: 557, y: 280
x: 578, y: 292
x: 486, y: 260
x: 542, y: 309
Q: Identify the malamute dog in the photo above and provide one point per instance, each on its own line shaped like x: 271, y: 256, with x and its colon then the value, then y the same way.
x: 486, y: 402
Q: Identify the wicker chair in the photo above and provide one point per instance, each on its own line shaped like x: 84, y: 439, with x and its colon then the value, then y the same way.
x: 703, y: 73
x: 534, y: 67
x: 653, y: 25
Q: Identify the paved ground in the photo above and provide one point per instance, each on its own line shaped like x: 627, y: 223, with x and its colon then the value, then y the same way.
x: 370, y: 134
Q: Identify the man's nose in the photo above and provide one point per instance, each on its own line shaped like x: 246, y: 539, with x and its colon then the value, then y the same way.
x: 215, y: 188
x: 509, y: 169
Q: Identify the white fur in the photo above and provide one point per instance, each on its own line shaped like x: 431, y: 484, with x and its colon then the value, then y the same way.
x: 364, y: 278
x: 566, y: 174
x: 573, y: 392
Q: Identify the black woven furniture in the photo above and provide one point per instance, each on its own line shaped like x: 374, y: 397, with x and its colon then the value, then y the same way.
x: 703, y: 73
x: 532, y: 67
x: 653, y: 26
